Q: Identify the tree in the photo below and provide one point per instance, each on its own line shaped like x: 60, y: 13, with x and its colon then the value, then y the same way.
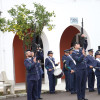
x: 2, y: 24
x: 28, y: 23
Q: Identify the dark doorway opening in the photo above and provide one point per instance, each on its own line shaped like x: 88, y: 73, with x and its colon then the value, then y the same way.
x: 40, y: 44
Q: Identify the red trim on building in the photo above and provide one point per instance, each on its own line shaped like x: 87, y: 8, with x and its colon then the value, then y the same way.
x: 19, y: 60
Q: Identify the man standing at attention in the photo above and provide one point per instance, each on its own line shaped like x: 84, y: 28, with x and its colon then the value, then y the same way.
x: 81, y: 69
x: 50, y: 65
x: 66, y: 70
x: 32, y: 76
x: 91, y: 75
x: 40, y: 75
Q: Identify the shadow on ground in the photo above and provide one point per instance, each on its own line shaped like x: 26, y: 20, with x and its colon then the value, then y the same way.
x: 62, y: 95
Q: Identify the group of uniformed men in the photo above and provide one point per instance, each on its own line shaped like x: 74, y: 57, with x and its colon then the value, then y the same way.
x: 77, y: 67
x: 34, y: 74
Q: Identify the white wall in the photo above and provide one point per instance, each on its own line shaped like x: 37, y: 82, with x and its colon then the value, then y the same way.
x: 6, y: 55
x: 89, y: 10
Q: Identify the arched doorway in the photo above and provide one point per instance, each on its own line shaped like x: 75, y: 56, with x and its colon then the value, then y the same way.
x: 20, y: 70
x: 19, y: 60
x: 69, y: 36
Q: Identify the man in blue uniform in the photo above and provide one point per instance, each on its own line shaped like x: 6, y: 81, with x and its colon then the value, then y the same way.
x: 71, y: 50
x: 97, y: 67
x: 91, y: 76
x: 40, y: 75
x: 66, y: 71
x: 72, y: 64
x: 39, y: 54
x: 50, y: 65
x: 32, y: 76
x: 81, y: 72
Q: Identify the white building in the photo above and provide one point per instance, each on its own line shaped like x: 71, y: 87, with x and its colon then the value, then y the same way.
x: 69, y: 14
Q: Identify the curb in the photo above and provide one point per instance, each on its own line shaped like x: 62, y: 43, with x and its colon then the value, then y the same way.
x: 13, y: 96
x: 21, y: 95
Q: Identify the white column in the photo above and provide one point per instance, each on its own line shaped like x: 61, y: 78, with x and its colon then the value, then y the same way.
x: 46, y: 48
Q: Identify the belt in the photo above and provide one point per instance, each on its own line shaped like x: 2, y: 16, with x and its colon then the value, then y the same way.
x: 31, y: 73
x: 82, y: 69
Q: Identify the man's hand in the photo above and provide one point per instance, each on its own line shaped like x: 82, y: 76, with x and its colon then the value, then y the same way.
x: 91, y: 66
x: 83, y: 51
x: 50, y: 69
x: 72, y: 71
x: 58, y: 63
x: 38, y: 61
x: 83, y: 35
x: 34, y: 59
x: 39, y: 48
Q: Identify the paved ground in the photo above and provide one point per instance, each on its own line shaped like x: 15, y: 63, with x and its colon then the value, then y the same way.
x: 45, y: 87
x: 62, y: 96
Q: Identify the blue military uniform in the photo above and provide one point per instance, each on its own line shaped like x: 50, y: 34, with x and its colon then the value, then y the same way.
x: 32, y: 78
x: 81, y: 73
x: 66, y: 72
x: 40, y: 80
x: 71, y: 64
x: 91, y: 76
x: 49, y: 65
x: 39, y: 58
x: 97, y: 71
x: 40, y: 55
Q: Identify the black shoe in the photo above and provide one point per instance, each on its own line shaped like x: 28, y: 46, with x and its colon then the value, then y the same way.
x: 84, y: 99
x: 52, y: 92
x: 40, y: 98
x: 98, y: 93
x: 67, y: 90
x: 94, y: 90
x: 91, y: 90
x: 73, y: 92
x: 80, y: 99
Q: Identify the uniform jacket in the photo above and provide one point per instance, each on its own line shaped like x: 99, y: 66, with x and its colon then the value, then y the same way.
x: 90, y: 62
x: 49, y: 65
x: 64, y: 58
x: 97, y: 64
x: 40, y: 69
x: 70, y: 64
x: 40, y: 55
x: 32, y: 69
x: 80, y: 59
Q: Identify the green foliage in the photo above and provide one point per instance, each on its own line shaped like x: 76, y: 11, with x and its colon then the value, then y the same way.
x: 25, y: 22
x: 43, y: 17
x: 2, y: 24
x: 22, y: 21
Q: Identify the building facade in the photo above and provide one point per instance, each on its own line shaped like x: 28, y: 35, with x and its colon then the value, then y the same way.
x: 69, y: 14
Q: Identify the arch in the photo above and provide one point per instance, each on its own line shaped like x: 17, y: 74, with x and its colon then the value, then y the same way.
x: 19, y: 60
x: 67, y: 37
x: 85, y: 32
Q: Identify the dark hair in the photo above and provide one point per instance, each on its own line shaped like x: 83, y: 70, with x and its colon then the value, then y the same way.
x: 27, y: 51
x: 76, y: 43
